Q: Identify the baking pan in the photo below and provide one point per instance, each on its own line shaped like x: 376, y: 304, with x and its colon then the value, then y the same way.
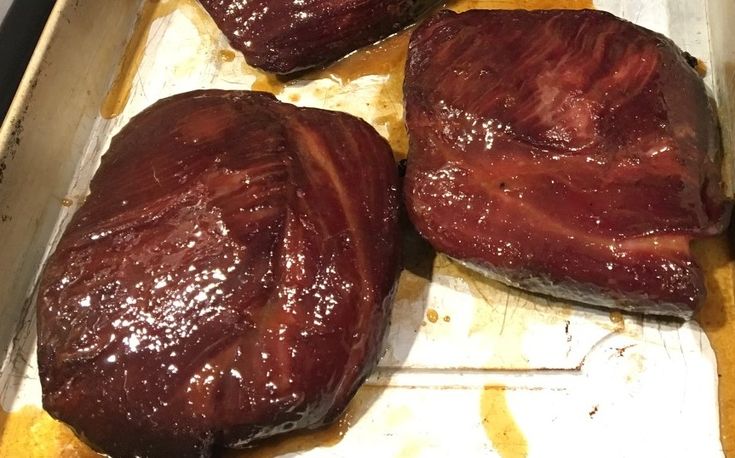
x: 471, y: 367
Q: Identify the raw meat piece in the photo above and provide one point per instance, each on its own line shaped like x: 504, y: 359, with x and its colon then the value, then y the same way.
x: 565, y: 152
x: 285, y: 36
x: 228, y: 279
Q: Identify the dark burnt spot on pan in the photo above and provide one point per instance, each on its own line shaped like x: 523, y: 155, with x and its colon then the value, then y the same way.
x: 691, y: 60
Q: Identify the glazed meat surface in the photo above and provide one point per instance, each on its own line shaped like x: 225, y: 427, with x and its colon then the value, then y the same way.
x: 566, y: 152
x: 227, y: 280
x: 285, y: 36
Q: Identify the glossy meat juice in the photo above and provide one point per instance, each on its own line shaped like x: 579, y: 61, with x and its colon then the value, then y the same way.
x: 228, y: 279
x: 286, y: 36
x: 570, y: 153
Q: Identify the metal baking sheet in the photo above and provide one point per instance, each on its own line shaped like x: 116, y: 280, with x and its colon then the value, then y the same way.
x: 471, y: 367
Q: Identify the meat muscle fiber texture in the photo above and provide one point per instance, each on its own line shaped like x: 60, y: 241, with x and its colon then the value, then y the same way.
x: 227, y: 280
x: 286, y: 36
x: 570, y: 153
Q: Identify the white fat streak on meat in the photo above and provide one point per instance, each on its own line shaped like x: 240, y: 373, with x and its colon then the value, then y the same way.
x: 311, y: 141
x: 324, y: 156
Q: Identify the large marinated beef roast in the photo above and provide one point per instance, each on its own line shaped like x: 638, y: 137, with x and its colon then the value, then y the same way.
x: 227, y: 280
x: 285, y: 36
x: 566, y: 152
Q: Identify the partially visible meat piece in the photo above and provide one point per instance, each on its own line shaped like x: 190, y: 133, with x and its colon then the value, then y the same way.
x: 286, y: 36
x: 566, y: 152
x: 228, y: 279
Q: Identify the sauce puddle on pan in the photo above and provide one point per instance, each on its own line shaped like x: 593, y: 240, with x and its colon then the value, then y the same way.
x: 499, y: 424
x: 385, y: 60
x: 717, y: 318
x: 32, y: 433
x: 119, y: 93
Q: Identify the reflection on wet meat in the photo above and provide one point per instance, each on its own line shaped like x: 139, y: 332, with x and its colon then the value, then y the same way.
x: 283, y: 36
x: 587, y: 181
x: 228, y: 279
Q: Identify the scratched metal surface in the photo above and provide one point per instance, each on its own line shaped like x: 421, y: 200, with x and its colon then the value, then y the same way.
x: 459, y: 345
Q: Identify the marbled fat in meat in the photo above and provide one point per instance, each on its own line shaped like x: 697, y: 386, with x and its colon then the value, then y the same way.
x: 566, y: 152
x: 228, y: 279
x: 286, y: 36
